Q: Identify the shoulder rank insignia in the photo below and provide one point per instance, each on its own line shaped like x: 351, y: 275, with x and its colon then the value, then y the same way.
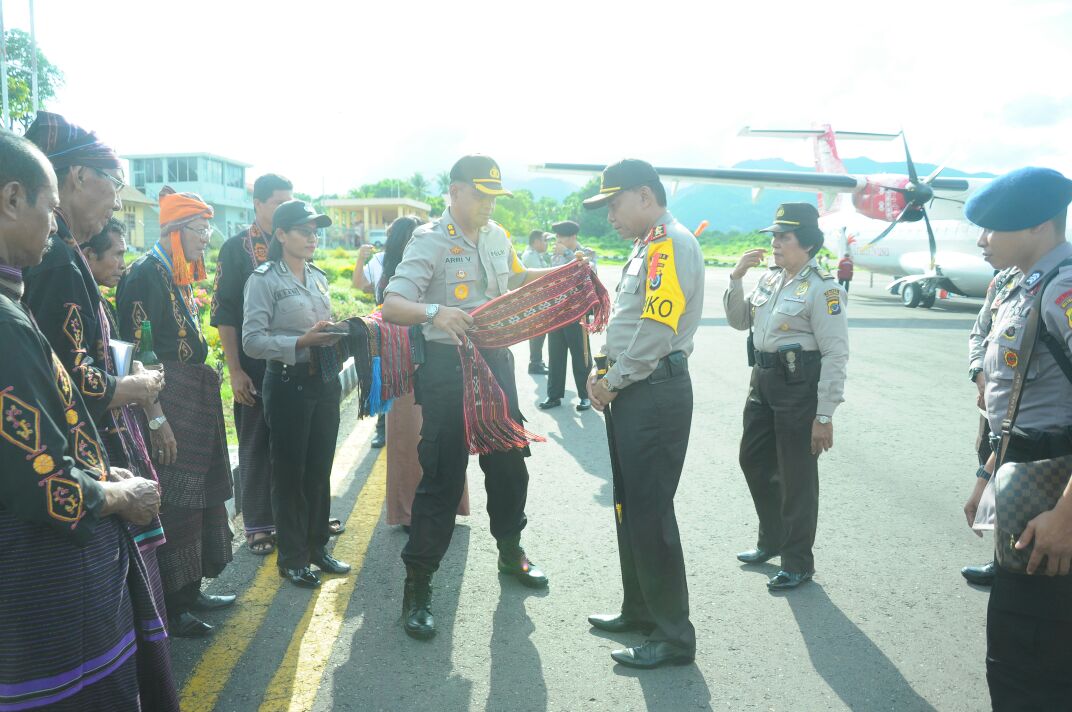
x: 263, y: 268
x: 451, y: 230
x: 656, y: 233
x: 824, y: 274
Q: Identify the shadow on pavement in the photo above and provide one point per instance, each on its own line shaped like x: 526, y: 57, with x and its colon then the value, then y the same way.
x: 516, y: 670
x: 853, y: 666
x: 671, y: 688
x: 386, y: 670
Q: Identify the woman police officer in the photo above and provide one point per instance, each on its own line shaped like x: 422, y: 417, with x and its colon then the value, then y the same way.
x: 287, y: 312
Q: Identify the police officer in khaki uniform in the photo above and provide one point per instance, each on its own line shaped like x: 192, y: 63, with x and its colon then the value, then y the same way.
x: 451, y: 266
x: 571, y: 341
x: 996, y: 292
x: 287, y: 312
x: 800, y: 344
x: 646, y: 395
x: 1029, y: 620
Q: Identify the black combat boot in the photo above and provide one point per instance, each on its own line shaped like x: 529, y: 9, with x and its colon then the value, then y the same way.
x: 416, y: 604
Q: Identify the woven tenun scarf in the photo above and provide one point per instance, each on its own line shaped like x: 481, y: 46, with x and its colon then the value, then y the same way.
x: 562, y: 297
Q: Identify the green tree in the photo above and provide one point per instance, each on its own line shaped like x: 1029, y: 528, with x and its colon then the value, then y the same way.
x: 20, y: 76
x: 419, y: 186
x: 593, y: 222
x: 443, y: 182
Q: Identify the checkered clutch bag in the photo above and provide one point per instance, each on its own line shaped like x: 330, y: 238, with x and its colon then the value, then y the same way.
x: 1025, y: 490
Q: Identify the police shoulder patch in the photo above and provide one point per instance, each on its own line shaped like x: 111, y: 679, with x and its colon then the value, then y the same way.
x: 664, y: 300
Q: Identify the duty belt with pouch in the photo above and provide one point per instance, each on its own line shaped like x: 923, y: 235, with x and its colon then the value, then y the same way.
x: 670, y: 366
x: 1024, y: 490
x: 791, y: 356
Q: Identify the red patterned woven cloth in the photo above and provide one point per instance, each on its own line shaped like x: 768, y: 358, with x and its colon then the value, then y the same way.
x: 562, y: 297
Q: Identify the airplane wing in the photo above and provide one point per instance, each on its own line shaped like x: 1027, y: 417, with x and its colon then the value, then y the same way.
x: 750, y: 178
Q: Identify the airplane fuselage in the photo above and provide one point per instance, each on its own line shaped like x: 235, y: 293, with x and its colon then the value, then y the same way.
x: 904, y: 251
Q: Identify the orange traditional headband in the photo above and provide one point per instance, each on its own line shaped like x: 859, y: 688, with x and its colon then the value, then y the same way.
x: 176, y: 210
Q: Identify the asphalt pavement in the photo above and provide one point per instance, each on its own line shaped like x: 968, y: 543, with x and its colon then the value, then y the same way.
x: 887, y: 623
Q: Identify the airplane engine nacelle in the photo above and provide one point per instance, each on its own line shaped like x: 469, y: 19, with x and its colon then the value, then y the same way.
x: 879, y: 203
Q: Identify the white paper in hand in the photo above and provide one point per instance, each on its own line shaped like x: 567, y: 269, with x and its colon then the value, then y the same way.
x: 987, y: 513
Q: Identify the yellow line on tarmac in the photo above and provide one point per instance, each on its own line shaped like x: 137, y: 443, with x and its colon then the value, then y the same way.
x: 206, y: 682
x: 297, y: 681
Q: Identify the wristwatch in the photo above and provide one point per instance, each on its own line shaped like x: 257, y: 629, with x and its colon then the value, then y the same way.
x: 606, y: 384
x: 972, y: 373
x: 430, y: 313
x: 823, y: 419
x: 157, y: 423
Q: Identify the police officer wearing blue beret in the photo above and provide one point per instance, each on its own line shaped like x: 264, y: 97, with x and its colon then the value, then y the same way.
x: 1029, y: 619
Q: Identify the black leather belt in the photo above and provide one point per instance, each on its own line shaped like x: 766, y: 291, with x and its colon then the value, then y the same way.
x: 765, y: 359
x: 1035, y: 445
x: 298, y: 370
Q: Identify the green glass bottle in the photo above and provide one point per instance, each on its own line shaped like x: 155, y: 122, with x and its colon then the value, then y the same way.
x: 145, y: 352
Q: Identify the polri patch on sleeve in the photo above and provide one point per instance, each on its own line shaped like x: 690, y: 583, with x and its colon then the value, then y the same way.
x: 833, y: 303
x: 664, y: 300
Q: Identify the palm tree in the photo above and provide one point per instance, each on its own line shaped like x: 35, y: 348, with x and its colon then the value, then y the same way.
x: 419, y: 185
x: 443, y: 181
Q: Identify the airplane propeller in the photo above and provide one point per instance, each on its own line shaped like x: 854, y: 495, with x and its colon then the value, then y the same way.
x: 918, y: 194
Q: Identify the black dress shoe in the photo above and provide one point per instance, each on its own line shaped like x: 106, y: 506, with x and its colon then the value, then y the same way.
x: 619, y: 624
x: 757, y: 556
x: 303, y: 577
x: 187, y: 625
x: 550, y: 403
x: 208, y: 602
x: 379, y: 440
x: 979, y: 575
x: 327, y: 562
x: 785, y: 580
x: 538, y: 369
x: 523, y: 570
x: 585, y: 404
x: 652, y: 654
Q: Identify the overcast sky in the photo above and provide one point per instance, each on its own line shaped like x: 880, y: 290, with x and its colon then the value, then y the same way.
x: 335, y: 94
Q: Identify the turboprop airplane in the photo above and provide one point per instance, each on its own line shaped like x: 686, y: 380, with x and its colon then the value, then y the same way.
x: 908, y: 227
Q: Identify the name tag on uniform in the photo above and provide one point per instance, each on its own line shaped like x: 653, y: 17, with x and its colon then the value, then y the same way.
x: 634, y: 267
x: 799, y: 300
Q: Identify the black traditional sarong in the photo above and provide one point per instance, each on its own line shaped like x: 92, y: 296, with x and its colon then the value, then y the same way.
x: 196, y: 487
x: 255, y: 467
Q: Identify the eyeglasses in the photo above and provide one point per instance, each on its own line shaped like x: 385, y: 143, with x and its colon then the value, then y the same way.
x: 202, y: 231
x: 307, y: 232
x: 116, y: 183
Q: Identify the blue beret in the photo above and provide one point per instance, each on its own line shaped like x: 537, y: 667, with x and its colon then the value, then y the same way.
x: 1019, y: 200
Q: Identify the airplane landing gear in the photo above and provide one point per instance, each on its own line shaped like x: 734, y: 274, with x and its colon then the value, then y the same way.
x: 918, y: 294
x: 911, y: 295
